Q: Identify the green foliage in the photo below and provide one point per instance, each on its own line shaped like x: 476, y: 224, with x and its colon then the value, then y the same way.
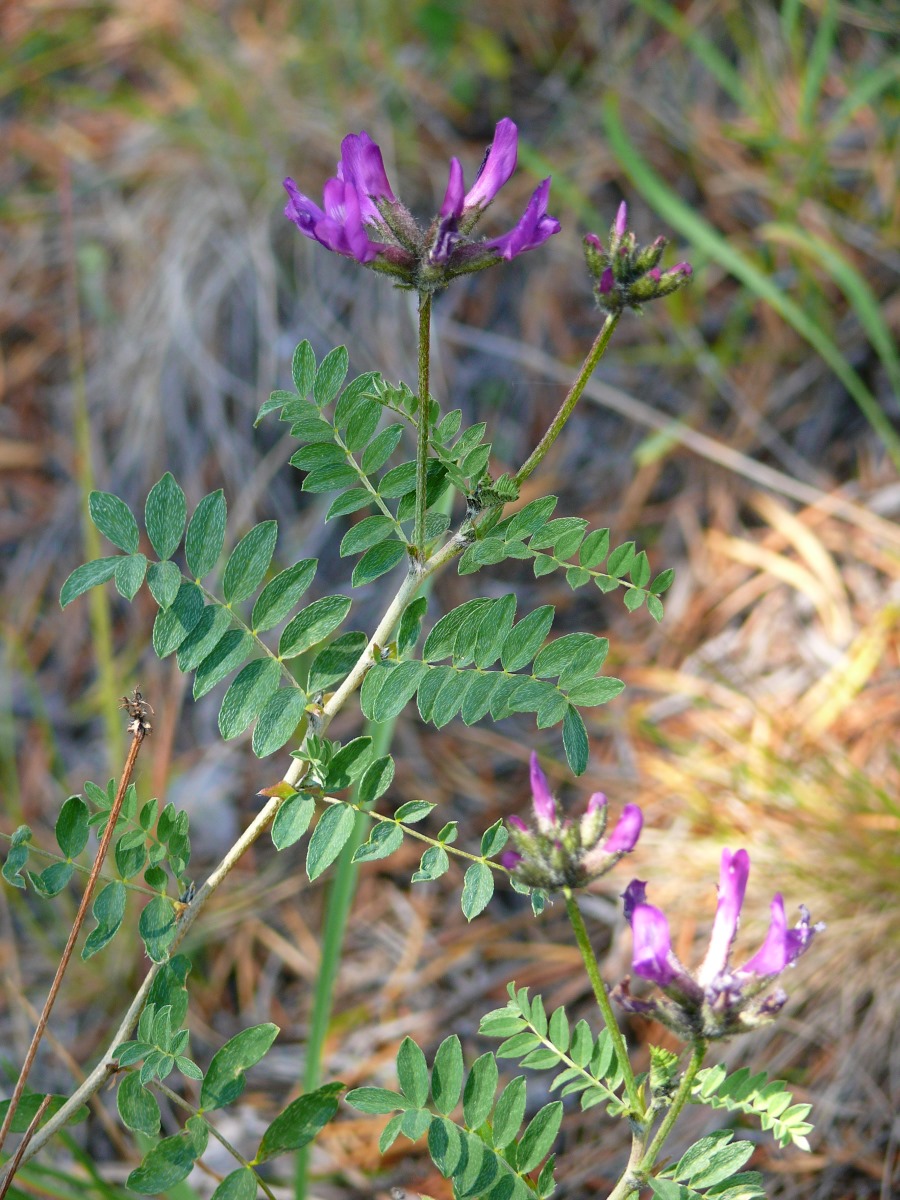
x: 28, y: 1107
x: 147, y: 840
x: 225, y: 1079
x: 300, y: 1122
x: 482, y: 1154
x: 565, y: 542
x: 586, y: 1065
x: 170, y: 1161
x: 210, y: 635
x: 711, y: 1168
x: 770, y: 1102
x: 159, y: 1046
x: 475, y: 636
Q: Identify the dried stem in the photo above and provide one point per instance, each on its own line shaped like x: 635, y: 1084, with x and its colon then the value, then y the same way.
x: 139, y: 730
x: 16, y: 1159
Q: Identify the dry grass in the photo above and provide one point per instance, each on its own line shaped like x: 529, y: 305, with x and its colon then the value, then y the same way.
x: 764, y: 711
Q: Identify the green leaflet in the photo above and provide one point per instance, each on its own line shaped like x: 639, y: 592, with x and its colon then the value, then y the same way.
x: 114, y: 519
x: 225, y: 1079
x: 164, y: 515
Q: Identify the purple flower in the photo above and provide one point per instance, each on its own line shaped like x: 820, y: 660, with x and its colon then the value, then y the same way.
x: 716, y: 1001
x: 339, y: 227
x: 499, y: 164
x: 544, y: 804
x: 533, y: 228
x: 559, y: 853
x: 362, y: 219
x: 362, y: 166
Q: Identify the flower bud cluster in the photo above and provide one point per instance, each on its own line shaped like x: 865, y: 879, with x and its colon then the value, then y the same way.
x: 553, y: 853
x: 627, y: 275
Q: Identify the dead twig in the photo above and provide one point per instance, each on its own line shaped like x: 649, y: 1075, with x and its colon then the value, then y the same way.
x: 137, y: 709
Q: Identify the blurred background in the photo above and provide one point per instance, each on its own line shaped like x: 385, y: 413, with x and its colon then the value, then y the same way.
x: 746, y: 431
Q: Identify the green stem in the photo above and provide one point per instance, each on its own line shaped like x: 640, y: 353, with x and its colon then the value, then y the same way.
x: 220, y: 1138
x: 681, y: 1098
x: 423, y: 425
x: 342, y: 891
x: 572, y: 397
x: 603, y: 1002
x: 337, y: 912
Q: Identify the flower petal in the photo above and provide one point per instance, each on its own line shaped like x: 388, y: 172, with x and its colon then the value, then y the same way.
x: 652, y: 945
x: 634, y: 894
x: 499, y: 163
x: 782, y: 946
x: 453, y: 197
x: 544, y: 804
x: 510, y: 859
x: 301, y: 210
x: 533, y: 228
x: 733, y: 875
x: 362, y: 165
x: 624, y: 837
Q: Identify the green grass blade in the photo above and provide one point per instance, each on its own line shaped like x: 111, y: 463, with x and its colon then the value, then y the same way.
x: 817, y: 65
x: 703, y: 50
x: 692, y: 226
x: 860, y: 296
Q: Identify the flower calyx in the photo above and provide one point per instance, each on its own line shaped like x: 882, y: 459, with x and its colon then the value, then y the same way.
x: 553, y: 853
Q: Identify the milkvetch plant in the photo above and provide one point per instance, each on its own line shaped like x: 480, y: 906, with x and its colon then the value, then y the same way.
x: 295, y: 663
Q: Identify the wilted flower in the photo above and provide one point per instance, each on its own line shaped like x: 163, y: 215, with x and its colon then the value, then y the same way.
x: 716, y: 1001
x: 563, y: 853
x: 362, y: 219
x: 627, y: 275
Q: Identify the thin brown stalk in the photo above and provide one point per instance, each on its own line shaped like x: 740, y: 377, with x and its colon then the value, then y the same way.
x: 139, y: 729
x: 23, y: 1145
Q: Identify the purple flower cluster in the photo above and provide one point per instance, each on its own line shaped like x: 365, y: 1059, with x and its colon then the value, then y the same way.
x: 627, y: 275
x: 717, y: 1000
x: 561, y: 853
x: 362, y: 219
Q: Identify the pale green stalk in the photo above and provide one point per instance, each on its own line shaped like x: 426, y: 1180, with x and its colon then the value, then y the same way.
x: 641, y: 1161
x: 601, y: 341
x: 681, y: 1098
x: 423, y: 425
x: 603, y: 1002
x: 292, y: 777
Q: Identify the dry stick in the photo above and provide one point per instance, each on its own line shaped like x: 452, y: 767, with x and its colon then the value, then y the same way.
x: 23, y: 1145
x: 139, y: 728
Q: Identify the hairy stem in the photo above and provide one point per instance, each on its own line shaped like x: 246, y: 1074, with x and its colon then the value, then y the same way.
x: 603, y: 1001
x: 698, y: 1053
x: 627, y: 1187
x: 536, y: 457
x: 423, y: 424
x: 96, y: 1079
x: 136, y: 742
